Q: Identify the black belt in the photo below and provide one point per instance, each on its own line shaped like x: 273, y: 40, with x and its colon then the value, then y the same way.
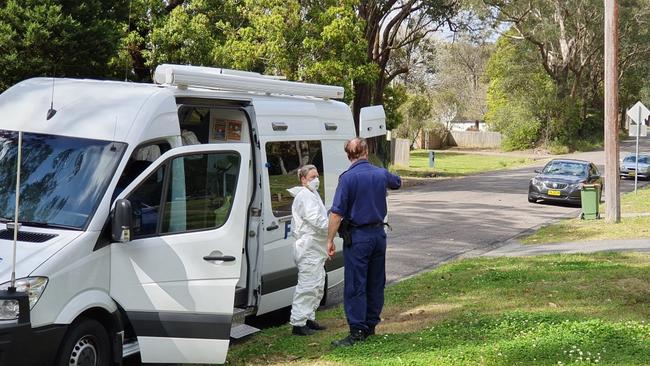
x: 371, y: 225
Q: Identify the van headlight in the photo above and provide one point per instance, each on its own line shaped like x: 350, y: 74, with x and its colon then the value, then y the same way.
x: 537, y: 182
x: 33, y: 286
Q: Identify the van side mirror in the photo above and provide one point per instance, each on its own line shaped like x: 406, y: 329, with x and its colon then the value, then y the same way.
x: 372, y: 121
x: 121, y: 221
x: 537, y: 171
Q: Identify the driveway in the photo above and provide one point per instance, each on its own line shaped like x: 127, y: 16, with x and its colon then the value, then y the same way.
x: 441, y: 220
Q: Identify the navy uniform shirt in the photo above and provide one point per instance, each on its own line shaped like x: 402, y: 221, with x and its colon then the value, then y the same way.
x: 361, y: 194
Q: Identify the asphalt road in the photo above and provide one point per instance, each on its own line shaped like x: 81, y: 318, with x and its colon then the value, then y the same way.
x: 442, y: 220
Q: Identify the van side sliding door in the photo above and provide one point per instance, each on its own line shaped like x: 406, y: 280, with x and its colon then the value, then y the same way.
x: 176, y: 278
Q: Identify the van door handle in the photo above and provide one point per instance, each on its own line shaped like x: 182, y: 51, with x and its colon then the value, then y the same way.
x: 224, y: 258
x: 272, y: 227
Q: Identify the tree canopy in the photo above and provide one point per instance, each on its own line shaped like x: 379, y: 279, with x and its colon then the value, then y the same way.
x: 64, y: 38
x: 543, y: 83
x: 553, y: 51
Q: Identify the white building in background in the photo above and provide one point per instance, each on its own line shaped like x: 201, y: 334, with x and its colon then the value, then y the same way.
x: 467, y: 125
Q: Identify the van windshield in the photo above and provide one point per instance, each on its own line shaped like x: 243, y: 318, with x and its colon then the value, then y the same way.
x: 62, y: 178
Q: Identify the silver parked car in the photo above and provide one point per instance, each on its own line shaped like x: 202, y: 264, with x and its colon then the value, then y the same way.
x: 627, y: 168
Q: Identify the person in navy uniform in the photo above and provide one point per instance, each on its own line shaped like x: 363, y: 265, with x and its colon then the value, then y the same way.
x: 360, y: 199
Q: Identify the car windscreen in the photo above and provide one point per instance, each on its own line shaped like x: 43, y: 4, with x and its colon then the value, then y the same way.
x: 62, y: 178
x: 632, y: 159
x: 566, y: 168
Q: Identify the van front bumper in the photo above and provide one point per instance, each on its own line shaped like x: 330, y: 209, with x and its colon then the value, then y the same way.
x: 20, y: 344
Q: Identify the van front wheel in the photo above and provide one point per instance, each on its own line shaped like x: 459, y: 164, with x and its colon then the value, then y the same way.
x: 86, y: 344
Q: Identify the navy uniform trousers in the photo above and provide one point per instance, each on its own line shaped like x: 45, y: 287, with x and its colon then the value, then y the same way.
x: 365, y: 277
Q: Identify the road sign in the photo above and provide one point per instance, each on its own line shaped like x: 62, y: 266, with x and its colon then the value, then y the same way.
x: 640, y: 115
x: 643, y: 132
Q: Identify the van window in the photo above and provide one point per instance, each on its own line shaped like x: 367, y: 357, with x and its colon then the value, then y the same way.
x: 283, y: 159
x: 200, y: 191
x: 62, y: 178
x: 145, y: 201
x: 204, y: 125
x: 195, y: 125
x: 198, y: 194
x: 141, y: 158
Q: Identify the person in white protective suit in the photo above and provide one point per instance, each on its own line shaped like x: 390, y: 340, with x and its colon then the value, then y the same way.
x: 309, y: 227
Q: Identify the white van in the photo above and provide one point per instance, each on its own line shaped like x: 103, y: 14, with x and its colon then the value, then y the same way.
x: 154, y: 217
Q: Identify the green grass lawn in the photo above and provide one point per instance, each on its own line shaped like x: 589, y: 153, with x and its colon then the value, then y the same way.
x: 580, y: 230
x: 449, y: 164
x: 551, y: 310
x: 638, y: 202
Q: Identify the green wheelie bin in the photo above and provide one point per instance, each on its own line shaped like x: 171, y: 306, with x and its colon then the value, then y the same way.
x: 590, y: 201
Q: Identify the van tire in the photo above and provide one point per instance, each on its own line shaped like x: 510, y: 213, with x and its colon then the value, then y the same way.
x: 85, y: 344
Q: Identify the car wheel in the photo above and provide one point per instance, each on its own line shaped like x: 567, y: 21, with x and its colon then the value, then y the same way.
x: 85, y: 344
x: 532, y: 199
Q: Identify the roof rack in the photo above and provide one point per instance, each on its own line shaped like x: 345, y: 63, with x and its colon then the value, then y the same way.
x: 235, y: 80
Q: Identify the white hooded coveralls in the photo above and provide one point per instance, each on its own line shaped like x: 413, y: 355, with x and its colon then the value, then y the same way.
x: 309, y: 227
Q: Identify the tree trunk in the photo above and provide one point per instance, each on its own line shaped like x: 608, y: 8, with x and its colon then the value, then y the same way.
x: 362, y: 98
x: 378, y: 94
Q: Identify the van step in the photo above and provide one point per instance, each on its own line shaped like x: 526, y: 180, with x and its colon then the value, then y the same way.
x: 130, y: 348
x: 239, y: 315
x: 242, y: 330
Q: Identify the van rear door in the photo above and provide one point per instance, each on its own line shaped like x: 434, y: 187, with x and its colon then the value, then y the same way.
x: 176, y: 277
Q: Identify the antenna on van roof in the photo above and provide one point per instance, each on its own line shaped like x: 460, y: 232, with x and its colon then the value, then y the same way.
x: 19, y: 155
x: 51, y: 112
x: 113, y: 148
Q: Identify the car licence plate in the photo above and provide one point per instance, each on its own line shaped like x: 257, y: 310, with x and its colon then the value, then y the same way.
x: 552, y: 192
x: 631, y: 173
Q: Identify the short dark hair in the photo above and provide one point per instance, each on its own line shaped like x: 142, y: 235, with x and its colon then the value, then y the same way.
x: 356, y: 148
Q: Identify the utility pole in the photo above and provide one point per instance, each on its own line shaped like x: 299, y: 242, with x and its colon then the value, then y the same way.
x: 612, y: 187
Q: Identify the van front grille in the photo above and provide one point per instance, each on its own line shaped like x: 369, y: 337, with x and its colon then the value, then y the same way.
x: 26, y: 236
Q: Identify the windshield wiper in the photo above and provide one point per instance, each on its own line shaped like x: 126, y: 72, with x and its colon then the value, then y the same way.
x: 5, y: 220
x: 48, y: 225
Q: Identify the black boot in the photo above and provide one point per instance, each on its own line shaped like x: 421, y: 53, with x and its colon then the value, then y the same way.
x: 371, y: 331
x: 302, y: 331
x: 315, y: 326
x: 356, y: 335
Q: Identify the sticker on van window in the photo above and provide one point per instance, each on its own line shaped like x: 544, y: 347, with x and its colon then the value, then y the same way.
x: 219, y: 129
x: 287, y: 229
x: 225, y: 130
x: 234, y: 130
